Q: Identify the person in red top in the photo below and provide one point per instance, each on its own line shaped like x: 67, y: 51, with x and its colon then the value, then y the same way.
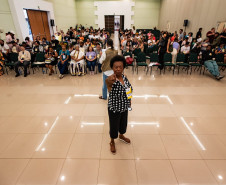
x: 210, y: 34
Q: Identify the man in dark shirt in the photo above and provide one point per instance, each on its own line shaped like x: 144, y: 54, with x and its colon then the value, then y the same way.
x: 199, y: 34
x: 162, y: 49
x: 211, y: 64
x: 54, y: 42
x: 223, y: 36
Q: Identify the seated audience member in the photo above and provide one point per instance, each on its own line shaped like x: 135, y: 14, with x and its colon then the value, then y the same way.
x: 98, y: 51
x: 181, y: 36
x: 128, y: 46
x: 196, y: 48
x: 37, y: 48
x: 8, y: 39
x: 4, y: 49
x: 186, y: 50
x: 185, y: 41
x: 211, y: 64
x: 135, y: 43
x: 63, y: 63
x: 216, y: 40
x: 14, y: 48
x: 176, y: 48
x: 223, y: 36
x: 77, y: 62
x: 204, y: 44
x: 28, y: 41
x: 44, y: 44
x: 71, y: 48
x: 91, y: 59
x: 24, y: 59
x: 54, y: 42
x: 221, y: 49
x: 81, y: 46
x: 193, y: 43
x: 190, y: 34
x: 199, y: 34
x: 210, y: 34
x: 51, y: 59
x: 1, y: 63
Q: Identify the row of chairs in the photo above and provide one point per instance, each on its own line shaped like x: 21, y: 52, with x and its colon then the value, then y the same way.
x: 38, y: 63
x: 193, y: 63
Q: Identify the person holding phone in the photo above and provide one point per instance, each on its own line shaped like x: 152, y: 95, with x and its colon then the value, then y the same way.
x: 120, y: 93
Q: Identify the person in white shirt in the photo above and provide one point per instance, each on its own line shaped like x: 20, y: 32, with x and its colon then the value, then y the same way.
x: 77, y: 62
x: 24, y: 59
x: 105, y: 59
x: 186, y: 50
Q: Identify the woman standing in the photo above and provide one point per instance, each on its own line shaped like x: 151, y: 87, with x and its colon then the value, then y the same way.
x: 120, y: 92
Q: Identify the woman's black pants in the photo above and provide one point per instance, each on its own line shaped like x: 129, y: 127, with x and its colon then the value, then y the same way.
x: 118, y: 123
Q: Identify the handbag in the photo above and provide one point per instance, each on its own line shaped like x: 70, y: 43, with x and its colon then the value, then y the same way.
x: 129, y: 60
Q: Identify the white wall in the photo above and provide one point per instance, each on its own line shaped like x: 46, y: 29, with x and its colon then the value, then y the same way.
x: 200, y: 13
x: 114, y: 8
x: 20, y: 23
x: 6, y: 20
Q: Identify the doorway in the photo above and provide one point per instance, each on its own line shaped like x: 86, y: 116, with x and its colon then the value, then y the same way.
x: 114, y: 22
x: 39, y: 24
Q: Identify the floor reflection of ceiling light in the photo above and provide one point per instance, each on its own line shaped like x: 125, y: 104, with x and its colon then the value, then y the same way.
x: 191, y: 124
x: 90, y: 123
x: 46, y: 124
x: 86, y: 95
x: 62, y: 178
x: 67, y: 100
x: 43, y: 149
x: 193, y: 134
x: 167, y: 97
x: 145, y: 96
x: 46, y: 135
x: 143, y: 123
x: 139, y: 78
x: 220, y: 177
x: 71, y: 117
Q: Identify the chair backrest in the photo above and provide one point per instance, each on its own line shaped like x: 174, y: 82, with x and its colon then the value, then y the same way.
x: 154, y: 57
x: 167, y: 57
x: 193, y: 57
x: 40, y: 57
x: 220, y: 58
x: 141, y: 57
x: 180, y: 57
x: 13, y: 57
x: 155, y: 48
x: 127, y: 54
x: 136, y: 51
x: 145, y: 48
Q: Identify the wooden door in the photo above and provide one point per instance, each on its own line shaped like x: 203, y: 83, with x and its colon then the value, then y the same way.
x: 46, y: 25
x: 39, y: 23
x: 109, y: 23
x: 122, y: 22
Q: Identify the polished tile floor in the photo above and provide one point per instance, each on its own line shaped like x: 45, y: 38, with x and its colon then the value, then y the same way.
x: 56, y: 131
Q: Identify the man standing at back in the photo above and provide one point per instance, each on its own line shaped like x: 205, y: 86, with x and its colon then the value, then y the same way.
x: 105, y: 59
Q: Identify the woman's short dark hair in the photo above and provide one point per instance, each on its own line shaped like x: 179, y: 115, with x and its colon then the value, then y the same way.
x: 118, y: 58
